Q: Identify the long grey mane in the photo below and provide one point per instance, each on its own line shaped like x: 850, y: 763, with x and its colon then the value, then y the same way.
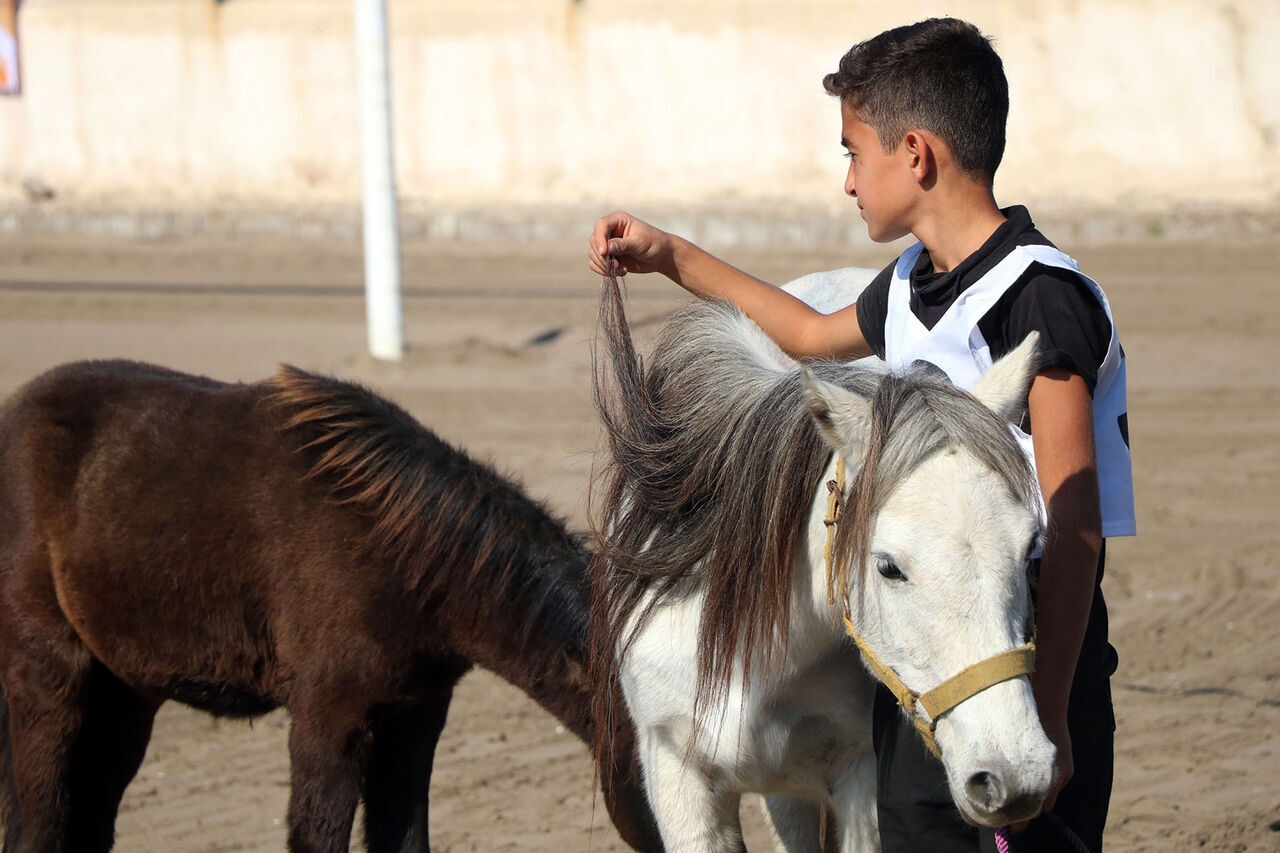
x: 713, y: 464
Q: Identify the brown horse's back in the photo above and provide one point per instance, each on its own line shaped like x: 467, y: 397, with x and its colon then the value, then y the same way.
x: 165, y: 519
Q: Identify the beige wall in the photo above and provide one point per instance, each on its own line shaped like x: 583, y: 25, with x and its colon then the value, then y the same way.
x: 1150, y: 102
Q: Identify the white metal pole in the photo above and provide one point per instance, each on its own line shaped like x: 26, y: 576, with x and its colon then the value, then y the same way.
x: 381, y: 221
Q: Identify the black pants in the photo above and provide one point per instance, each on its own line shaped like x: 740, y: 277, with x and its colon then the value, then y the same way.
x: 915, y: 808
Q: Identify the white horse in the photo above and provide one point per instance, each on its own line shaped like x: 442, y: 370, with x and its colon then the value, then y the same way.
x: 717, y: 617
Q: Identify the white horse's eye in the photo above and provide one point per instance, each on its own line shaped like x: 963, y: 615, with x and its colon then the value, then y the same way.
x: 889, y: 570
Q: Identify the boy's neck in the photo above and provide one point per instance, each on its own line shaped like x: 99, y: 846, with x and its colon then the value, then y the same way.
x: 955, y: 225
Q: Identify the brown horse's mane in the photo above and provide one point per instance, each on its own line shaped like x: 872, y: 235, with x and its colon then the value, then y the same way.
x: 450, y: 525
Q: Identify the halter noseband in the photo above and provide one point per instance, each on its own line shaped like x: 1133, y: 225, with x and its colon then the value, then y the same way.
x: 924, y: 708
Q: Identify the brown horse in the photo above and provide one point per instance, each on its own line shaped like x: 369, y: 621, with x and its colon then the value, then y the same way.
x: 299, y: 542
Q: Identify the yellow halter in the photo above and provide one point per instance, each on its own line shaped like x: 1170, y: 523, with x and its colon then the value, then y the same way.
x: 924, y: 708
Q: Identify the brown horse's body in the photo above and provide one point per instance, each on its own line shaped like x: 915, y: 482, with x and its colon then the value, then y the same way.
x: 299, y: 543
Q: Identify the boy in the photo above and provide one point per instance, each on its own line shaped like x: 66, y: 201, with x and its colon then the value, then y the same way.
x: 923, y: 111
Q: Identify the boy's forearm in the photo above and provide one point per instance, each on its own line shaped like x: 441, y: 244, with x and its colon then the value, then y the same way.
x: 703, y: 274
x: 1068, y: 573
x: 796, y: 327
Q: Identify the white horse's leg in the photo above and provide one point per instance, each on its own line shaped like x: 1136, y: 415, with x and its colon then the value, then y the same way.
x: 796, y: 824
x: 854, y: 799
x: 692, y: 815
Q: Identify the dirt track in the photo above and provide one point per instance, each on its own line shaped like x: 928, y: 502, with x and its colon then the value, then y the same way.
x: 499, y: 365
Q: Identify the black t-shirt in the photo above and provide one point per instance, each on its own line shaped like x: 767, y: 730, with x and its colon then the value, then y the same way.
x: 1074, y: 334
x: 1074, y: 330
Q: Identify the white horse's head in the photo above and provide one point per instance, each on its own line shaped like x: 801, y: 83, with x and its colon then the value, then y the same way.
x: 942, y: 585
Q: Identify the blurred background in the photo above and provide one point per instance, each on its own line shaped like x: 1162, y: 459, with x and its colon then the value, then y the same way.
x: 180, y: 182
x: 504, y: 108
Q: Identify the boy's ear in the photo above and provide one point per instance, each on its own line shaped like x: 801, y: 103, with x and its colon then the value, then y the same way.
x: 920, y: 154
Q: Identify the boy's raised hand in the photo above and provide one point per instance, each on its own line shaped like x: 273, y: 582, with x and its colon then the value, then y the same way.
x: 635, y: 245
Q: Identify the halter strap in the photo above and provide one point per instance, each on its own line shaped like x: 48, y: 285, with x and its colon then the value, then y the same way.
x: 924, y: 708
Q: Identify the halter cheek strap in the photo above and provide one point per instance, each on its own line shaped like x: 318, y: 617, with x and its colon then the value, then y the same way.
x: 924, y: 708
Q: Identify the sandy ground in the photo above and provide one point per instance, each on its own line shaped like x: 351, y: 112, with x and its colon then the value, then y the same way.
x: 499, y: 364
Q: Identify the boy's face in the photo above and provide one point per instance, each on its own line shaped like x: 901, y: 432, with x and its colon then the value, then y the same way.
x: 883, y: 183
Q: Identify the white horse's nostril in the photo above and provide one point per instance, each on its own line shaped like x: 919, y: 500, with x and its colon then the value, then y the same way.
x: 986, y: 791
x: 993, y: 800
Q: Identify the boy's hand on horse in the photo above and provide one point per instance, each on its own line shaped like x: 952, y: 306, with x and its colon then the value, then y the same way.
x: 620, y: 244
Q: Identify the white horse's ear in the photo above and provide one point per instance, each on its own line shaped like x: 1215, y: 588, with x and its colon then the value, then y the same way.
x: 1003, y: 389
x: 842, y: 417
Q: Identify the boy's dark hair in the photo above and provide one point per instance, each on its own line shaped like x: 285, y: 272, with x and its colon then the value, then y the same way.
x: 941, y: 75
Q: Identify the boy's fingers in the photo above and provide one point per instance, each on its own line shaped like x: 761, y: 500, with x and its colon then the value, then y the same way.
x: 600, y: 236
x: 595, y: 250
x: 609, y: 243
x: 616, y: 247
x: 1051, y: 799
x: 603, y: 264
x: 607, y: 226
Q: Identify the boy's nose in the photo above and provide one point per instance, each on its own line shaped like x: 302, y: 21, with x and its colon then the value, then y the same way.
x: 849, y: 188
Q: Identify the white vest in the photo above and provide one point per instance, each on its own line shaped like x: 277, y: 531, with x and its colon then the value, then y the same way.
x: 955, y: 344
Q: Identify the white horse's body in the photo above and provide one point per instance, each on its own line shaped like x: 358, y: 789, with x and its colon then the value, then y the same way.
x: 800, y: 732
x: 831, y: 290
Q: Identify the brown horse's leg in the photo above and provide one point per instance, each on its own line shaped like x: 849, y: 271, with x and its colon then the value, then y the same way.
x: 628, y: 808
x: 112, y: 743
x: 399, y: 776
x: 10, y: 819
x: 328, y: 744
x: 623, y: 788
x: 45, y: 684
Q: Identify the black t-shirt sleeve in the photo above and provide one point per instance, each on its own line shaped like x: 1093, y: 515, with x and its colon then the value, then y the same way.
x: 1074, y: 329
x: 873, y: 309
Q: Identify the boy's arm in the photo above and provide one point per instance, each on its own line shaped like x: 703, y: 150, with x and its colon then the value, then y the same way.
x: 1061, y: 412
x: 797, y: 328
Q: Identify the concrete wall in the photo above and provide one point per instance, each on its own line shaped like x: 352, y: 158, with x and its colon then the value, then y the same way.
x: 184, y: 102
